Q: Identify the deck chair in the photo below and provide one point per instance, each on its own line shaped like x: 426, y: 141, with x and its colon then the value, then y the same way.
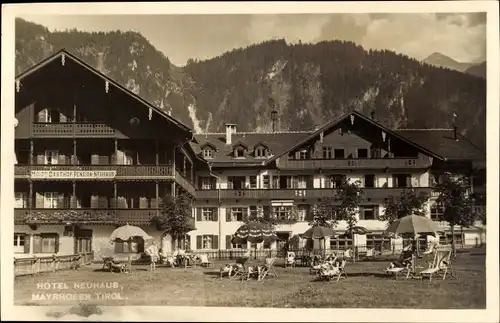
x: 290, y: 259
x: 267, y: 269
x: 331, y: 272
x: 440, y: 266
x: 122, y: 267
x: 348, y: 254
x: 370, y: 253
x: 204, y: 262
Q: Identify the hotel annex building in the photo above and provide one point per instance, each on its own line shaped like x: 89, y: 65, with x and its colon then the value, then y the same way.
x: 91, y: 156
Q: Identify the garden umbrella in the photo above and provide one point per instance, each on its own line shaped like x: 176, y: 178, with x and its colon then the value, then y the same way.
x: 255, y: 232
x: 127, y: 232
x: 319, y: 232
x: 412, y: 224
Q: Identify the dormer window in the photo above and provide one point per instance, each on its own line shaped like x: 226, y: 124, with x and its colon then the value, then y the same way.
x: 261, y: 151
x: 239, y: 150
x: 208, y: 153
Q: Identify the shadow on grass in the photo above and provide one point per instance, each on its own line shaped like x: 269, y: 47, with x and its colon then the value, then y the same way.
x: 212, y: 273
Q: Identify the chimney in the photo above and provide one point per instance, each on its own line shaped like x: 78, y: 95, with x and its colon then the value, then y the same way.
x: 230, y: 129
x: 373, y: 114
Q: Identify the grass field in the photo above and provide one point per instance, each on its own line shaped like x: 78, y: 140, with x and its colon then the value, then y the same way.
x: 366, y: 287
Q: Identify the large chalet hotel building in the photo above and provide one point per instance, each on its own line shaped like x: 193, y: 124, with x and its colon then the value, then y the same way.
x: 91, y: 156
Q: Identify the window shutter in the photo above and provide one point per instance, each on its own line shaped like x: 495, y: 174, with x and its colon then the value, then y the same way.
x: 376, y: 211
x: 56, y: 243
x: 198, y: 214
x: 408, y: 181
x: 39, y: 201
x: 213, y: 184
x: 61, y: 159
x: 228, y: 214
x: 143, y: 203
x: 42, y: 115
x: 40, y: 159
x: 215, y: 216
x: 37, y: 244
x: 394, y: 181
x: 228, y: 241
x: 215, y: 242
x: 62, y: 117
x: 94, y: 159
x: 198, y: 242
x: 244, y: 213
x: 27, y: 239
x: 94, y: 202
x: 289, y: 182
x: 188, y: 242
x: 310, y: 182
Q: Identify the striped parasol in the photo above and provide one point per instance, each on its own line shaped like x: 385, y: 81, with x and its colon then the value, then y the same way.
x: 255, y: 232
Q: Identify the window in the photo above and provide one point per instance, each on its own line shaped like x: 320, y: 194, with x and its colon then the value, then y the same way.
x: 207, y: 241
x: 135, y: 245
x: 236, y: 182
x: 260, y: 152
x: 378, y: 241
x: 83, y: 241
x: 401, y: 180
x: 303, y: 154
x: 368, y: 212
x: 253, y: 181
x: 208, y: 153
x: 327, y: 153
x: 282, y: 212
x: 51, y: 200
x: 46, y: 243
x: 362, y: 153
x: 301, y: 182
x: 446, y: 238
x: 128, y: 158
x: 341, y: 242
x: 265, y: 181
x: 21, y: 200
x: 237, y: 214
x: 252, y: 210
x: 50, y: 115
x: 339, y: 154
x: 207, y: 183
x: 51, y: 157
x: 207, y: 214
x: 334, y: 181
x: 19, y: 242
x: 437, y: 212
x: 302, y: 211
x: 239, y: 152
x: 230, y: 245
x: 370, y: 180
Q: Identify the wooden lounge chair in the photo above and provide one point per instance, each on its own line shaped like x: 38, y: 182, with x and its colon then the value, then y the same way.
x: 268, y: 269
x: 440, y: 266
x: 331, y: 272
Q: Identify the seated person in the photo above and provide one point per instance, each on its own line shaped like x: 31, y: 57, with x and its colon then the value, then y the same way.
x: 404, y: 259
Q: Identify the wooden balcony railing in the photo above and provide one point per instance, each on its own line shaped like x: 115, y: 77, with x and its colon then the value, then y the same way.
x: 271, y: 194
x: 184, y: 182
x: 97, y: 172
x: 369, y: 163
x: 139, y: 217
x: 72, y: 129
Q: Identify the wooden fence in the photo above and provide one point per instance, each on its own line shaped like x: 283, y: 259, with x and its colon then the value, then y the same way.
x: 36, y: 265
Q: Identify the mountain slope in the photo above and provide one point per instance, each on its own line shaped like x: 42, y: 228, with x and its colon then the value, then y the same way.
x: 307, y: 84
x: 440, y: 60
x: 478, y: 70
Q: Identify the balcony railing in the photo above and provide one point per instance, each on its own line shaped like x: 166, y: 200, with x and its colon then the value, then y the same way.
x: 97, y: 172
x: 271, y: 194
x: 139, y: 217
x: 72, y: 129
x: 184, y: 182
x: 369, y: 163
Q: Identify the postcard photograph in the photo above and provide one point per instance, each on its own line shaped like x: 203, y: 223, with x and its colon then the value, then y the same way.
x: 329, y: 160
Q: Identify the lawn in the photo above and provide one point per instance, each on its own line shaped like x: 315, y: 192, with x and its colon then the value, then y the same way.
x: 365, y: 287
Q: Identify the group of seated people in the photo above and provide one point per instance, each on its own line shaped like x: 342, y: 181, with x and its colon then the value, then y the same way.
x: 406, y: 257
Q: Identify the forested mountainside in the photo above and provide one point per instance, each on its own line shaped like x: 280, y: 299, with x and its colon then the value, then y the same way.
x: 308, y: 84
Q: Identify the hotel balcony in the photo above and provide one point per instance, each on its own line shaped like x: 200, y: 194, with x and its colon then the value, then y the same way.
x: 369, y: 163
x: 138, y: 217
x: 103, y: 173
x: 58, y: 130
x: 375, y: 194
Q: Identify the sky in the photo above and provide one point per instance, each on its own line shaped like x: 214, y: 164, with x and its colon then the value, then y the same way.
x: 461, y: 36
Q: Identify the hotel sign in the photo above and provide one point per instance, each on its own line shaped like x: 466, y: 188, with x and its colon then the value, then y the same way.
x: 73, y: 174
